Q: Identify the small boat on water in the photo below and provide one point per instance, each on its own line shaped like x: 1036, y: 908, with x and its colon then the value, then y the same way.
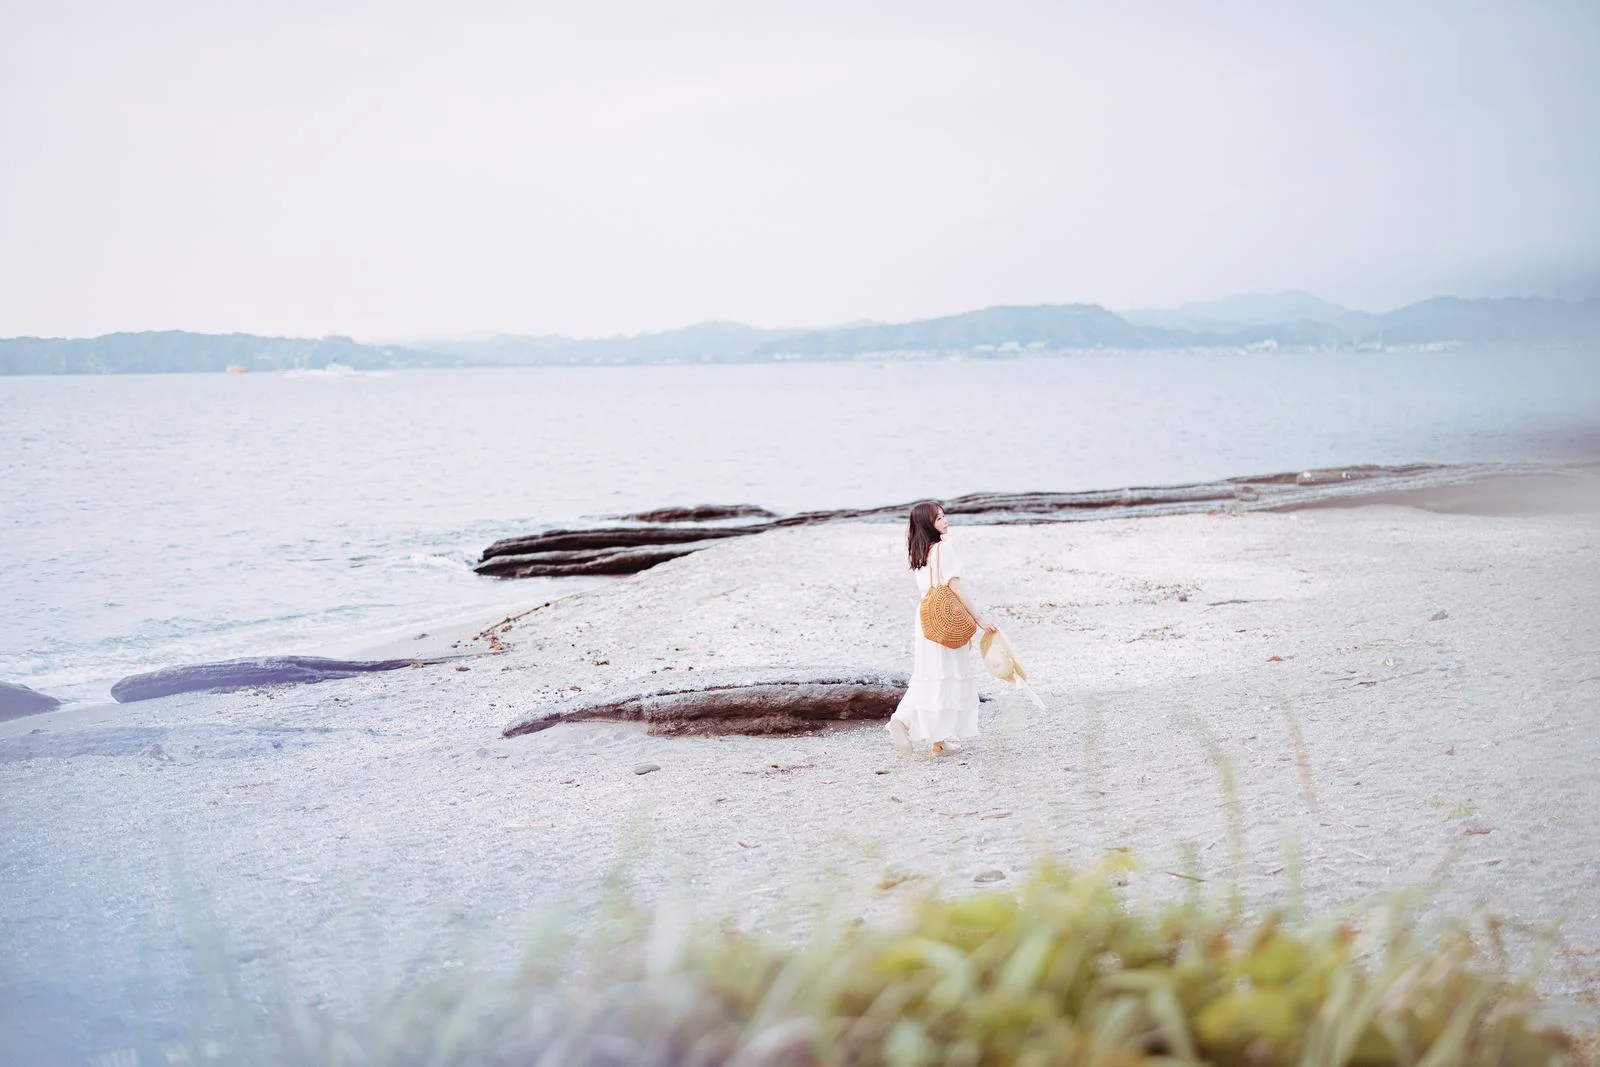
x: 234, y: 368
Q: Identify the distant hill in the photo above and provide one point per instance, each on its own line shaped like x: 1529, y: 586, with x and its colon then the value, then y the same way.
x: 991, y: 331
x: 707, y: 342
x: 1516, y: 319
x: 1057, y: 327
x: 1264, y: 309
x: 1239, y: 314
x: 177, y: 351
x: 1048, y: 327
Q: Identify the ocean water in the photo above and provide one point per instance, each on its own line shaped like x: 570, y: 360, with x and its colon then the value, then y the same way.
x: 152, y: 520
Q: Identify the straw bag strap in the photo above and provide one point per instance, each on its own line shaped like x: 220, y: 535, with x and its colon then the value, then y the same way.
x: 933, y: 561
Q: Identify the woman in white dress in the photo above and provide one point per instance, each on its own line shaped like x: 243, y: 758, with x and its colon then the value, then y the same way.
x: 941, y: 704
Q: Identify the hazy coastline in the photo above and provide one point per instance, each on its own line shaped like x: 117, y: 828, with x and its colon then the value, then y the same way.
x: 1289, y: 321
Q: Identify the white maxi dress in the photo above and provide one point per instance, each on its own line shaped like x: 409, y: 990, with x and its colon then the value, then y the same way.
x: 941, y: 703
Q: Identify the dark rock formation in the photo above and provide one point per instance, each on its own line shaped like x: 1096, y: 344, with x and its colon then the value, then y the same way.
x: 672, y: 532
x: 608, y: 537
x: 268, y: 670
x: 758, y: 701
x: 607, y: 550
x: 614, y: 561
x: 18, y: 700
x: 703, y: 513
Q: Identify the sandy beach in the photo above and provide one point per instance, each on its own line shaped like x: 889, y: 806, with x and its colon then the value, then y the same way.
x: 1406, y: 695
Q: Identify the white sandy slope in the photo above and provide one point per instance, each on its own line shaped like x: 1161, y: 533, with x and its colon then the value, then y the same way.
x: 1407, y: 696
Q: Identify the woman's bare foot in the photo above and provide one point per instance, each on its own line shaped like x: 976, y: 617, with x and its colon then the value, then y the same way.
x: 901, y: 735
x: 943, y: 748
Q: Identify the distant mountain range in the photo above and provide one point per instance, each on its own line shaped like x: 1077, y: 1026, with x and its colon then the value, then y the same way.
x: 1290, y: 319
x: 1285, y: 319
x: 1255, y: 309
x: 1283, y: 316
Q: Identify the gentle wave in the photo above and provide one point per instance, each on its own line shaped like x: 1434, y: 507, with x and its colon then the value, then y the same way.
x: 78, y: 671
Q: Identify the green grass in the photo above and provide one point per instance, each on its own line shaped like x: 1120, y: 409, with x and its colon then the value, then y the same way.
x: 1058, y: 972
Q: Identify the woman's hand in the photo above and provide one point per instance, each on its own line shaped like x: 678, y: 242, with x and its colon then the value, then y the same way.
x: 984, y: 624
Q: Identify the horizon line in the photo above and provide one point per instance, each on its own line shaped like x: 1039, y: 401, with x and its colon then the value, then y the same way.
x: 486, y: 335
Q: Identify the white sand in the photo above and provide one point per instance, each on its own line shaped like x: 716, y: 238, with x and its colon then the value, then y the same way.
x: 1463, y: 748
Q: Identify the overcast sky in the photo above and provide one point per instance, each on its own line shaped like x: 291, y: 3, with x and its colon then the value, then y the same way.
x: 393, y: 170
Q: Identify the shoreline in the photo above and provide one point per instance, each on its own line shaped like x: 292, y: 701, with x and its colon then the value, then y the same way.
x: 431, y: 637
x: 618, y: 545
x: 1444, y: 346
x: 1462, y: 488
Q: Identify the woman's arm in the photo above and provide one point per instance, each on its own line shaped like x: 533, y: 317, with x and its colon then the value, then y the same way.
x: 955, y: 587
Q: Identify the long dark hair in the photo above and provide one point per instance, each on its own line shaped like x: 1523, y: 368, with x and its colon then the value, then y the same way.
x: 920, y: 533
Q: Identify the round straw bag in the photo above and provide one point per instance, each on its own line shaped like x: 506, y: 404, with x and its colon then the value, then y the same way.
x: 945, y: 621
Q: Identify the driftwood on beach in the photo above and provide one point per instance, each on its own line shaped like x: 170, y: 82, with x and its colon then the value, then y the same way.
x: 772, y: 701
x: 653, y: 537
x: 267, y: 670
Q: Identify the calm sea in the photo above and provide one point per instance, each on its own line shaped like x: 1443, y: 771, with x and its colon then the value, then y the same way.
x: 153, y: 520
